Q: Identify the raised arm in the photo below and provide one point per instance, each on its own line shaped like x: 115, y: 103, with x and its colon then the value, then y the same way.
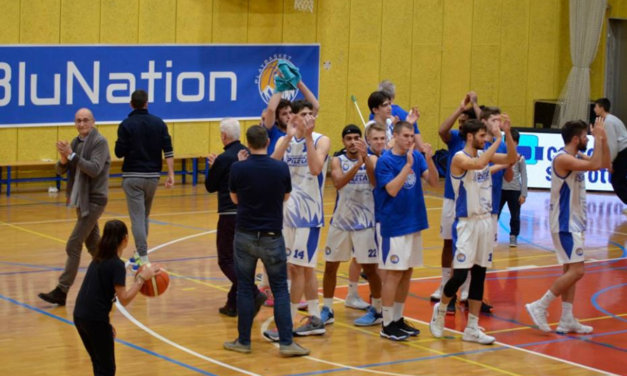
x: 273, y: 103
x: 309, y: 97
x: 463, y: 162
x: 316, y: 153
x: 431, y: 175
x: 99, y: 156
x: 445, y: 128
x: 566, y: 162
x: 396, y: 184
x: 512, y: 154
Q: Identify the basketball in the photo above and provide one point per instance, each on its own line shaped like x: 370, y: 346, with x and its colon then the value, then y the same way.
x: 157, y: 285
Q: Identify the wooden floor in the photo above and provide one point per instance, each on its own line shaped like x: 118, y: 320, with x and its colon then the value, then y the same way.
x: 181, y: 333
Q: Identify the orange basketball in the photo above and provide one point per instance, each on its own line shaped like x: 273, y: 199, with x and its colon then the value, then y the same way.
x: 157, y: 285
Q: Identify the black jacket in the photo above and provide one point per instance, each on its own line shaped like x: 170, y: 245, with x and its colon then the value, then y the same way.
x: 142, y: 138
x: 217, y: 179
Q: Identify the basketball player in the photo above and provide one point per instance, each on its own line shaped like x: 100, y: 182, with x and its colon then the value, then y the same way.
x: 472, y: 229
x: 380, y: 105
x: 278, y: 113
x: 305, y: 152
x: 403, y: 215
x: 568, y: 219
x: 455, y: 143
x: 352, y: 234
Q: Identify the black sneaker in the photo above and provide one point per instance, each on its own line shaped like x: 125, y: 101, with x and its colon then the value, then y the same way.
x: 55, y: 296
x: 486, y: 308
x: 404, y: 326
x: 259, y: 300
x: 393, y: 332
x: 452, y: 305
x: 228, y: 311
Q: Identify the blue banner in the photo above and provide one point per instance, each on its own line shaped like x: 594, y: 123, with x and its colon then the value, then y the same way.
x: 46, y: 85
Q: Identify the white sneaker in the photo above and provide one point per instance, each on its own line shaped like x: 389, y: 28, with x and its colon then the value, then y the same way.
x: 356, y: 302
x: 573, y: 326
x: 437, y: 294
x: 436, y: 326
x: 477, y: 335
x: 538, y: 315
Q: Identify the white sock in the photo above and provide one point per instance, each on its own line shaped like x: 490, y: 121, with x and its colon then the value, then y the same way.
x: 144, y: 259
x: 294, y: 310
x: 328, y: 302
x: 264, y: 280
x: 352, y: 289
x: 314, y: 307
x: 546, y: 300
x: 446, y: 275
x: 398, y: 310
x: 388, y: 315
x: 567, y: 311
x: 473, y: 321
x: 442, y: 308
x: 376, y: 303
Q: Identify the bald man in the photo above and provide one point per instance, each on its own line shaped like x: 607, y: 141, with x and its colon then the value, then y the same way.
x: 86, y: 160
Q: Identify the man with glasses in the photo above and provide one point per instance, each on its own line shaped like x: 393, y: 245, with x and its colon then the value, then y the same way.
x: 87, y: 161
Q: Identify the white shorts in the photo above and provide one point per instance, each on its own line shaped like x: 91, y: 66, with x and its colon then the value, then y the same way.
x: 473, y: 242
x: 401, y: 252
x: 569, y: 247
x: 447, y: 219
x: 343, y: 245
x: 301, y: 245
x: 495, y: 228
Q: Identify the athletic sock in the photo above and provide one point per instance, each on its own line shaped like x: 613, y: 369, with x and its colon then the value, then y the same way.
x: 352, y: 289
x: 473, y: 321
x: 567, y: 312
x: 376, y: 303
x: 314, y: 307
x: 388, y: 315
x: 398, y: 310
x: 546, y: 300
x: 328, y: 302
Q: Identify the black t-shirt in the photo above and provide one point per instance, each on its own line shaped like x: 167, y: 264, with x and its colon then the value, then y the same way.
x: 260, y: 183
x: 97, y: 293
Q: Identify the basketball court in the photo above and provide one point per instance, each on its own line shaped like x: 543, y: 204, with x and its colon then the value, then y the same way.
x: 181, y: 332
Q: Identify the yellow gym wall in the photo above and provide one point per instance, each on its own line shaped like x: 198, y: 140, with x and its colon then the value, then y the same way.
x: 509, y: 51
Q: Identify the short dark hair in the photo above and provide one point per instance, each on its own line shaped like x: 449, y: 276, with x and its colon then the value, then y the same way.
x: 604, y: 103
x: 471, y: 127
x: 257, y: 137
x: 403, y: 124
x: 376, y: 99
x: 486, y: 112
x: 573, y: 128
x: 470, y: 113
x: 283, y: 104
x: 515, y: 135
x: 114, y: 233
x: 139, y: 98
x: 297, y: 106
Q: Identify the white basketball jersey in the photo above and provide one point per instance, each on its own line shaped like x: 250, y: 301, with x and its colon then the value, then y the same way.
x: 473, y: 191
x: 354, y: 205
x: 568, y: 200
x: 304, y: 207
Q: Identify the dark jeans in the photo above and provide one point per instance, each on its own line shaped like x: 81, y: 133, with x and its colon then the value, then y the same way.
x: 511, y: 197
x: 224, y: 242
x: 619, y: 177
x: 249, y: 248
x: 97, y: 337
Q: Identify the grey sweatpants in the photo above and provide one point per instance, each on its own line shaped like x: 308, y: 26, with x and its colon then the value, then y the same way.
x: 85, y: 231
x: 139, y: 195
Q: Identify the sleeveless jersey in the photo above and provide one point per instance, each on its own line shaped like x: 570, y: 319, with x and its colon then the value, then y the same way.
x: 568, y: 200
x: 304, y: 207
x: 354, y: 205
x: 473, y: 191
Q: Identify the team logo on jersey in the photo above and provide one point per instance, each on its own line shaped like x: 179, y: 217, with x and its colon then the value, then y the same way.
x: 394, y: 259
x: 581, y: 176
x: 345, y: 166
x: 265, y: 79
x: 410, y: 181
x: 327, y: 250
x: 579, y: 251
x: 288, y: 252
x: 461, y: 257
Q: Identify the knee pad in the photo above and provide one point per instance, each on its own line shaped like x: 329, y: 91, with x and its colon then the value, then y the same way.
x: 457, y: 279
x: 477, y: 283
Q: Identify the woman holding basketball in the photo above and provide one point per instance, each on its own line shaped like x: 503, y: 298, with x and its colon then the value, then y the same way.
x: 105, y: 278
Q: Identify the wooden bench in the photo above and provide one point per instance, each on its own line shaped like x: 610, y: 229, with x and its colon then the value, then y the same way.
x: 58, y: 179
